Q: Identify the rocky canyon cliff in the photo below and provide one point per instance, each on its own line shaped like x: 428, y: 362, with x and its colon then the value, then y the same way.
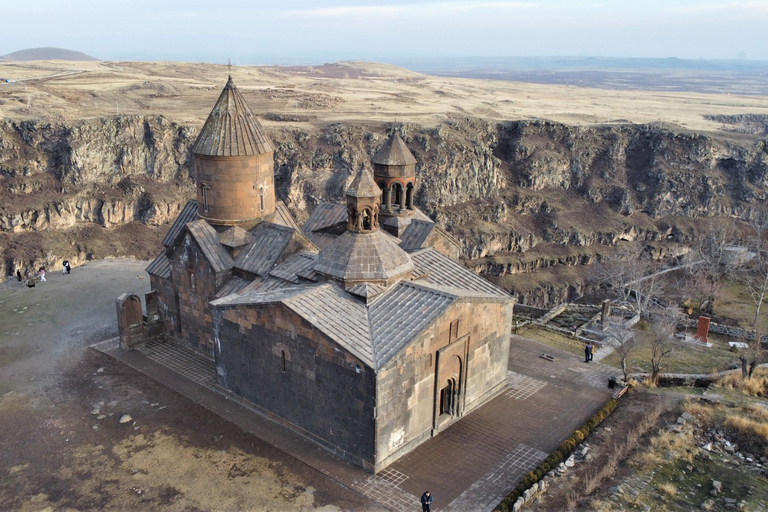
x: 519, y: 195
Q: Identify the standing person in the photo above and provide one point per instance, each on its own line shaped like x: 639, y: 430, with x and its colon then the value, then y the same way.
x: 69, y: 267
x: 592, y: 352
x: 426, y: 502
x: 18, y: 275
x: 64, y: 266
x: 588, y: 352
x: 42, y: 274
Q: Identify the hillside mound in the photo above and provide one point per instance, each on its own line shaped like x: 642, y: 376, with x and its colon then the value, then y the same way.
x: 47, y: 53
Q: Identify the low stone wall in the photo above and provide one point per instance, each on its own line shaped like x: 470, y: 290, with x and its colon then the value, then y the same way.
x: 523, y: 310
x: 688, y: 379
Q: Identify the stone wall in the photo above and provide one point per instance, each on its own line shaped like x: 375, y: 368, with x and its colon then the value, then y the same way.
x: 167, y: 305
x: 407, y: 399
x: 197, y: 283
x: 282, y: 364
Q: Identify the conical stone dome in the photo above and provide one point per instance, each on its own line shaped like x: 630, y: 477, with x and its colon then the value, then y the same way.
x: 231, y: 129
x: 394, y: 152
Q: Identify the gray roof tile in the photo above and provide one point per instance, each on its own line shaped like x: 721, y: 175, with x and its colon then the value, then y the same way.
x: 401, y: 314
x: 208, y: 240
x: 289, y: 270
x: 235, y: 237
x: 443, y: 271
x: 416, y: 234
x: 269, y: 242
x: 324, y: 216
x: 161, y: 266
x: 284, y: 218
x: 363, y: 185
x: 188, y: 214
x: 231, y: 129
x: 234, y: 285
x: 394, y: 152
x: 363, y: 256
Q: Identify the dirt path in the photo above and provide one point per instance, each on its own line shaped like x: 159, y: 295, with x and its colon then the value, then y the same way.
x: 61, y: 441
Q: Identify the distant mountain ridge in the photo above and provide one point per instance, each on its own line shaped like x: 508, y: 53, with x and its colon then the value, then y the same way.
x: 47, y: 53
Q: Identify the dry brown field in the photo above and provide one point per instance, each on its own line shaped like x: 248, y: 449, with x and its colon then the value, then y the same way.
x: 347, y: 91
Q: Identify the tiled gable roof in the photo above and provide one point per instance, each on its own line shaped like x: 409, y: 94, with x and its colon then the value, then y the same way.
x: 231, y: 129
x: 160, y: 266
x: 416, y: 234
x: 284, y: 218
x: 338, y: 316
x: 401, y: 314
x: 325, y: 215
x: 188, y: 214
x: 269, y: 242
x: 234, y: 285
x: 208, y: 240
x: 294, y: 266
x: 443, y: 271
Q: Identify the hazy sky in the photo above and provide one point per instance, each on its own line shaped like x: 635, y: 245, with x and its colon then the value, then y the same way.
x: 277, y: 32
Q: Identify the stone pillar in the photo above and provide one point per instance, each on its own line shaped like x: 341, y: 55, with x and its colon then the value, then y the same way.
x: 702, y: 333
x: 409, y: 196
x: 605, y: 313
x: 388, y: 198
x: 402, y: 198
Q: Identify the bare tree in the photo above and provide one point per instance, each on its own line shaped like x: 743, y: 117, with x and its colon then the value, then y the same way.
x: 758, y: 221
x: 647, y: 289
x: 623, y: 339
x: 630, y: 277
x: 707, y: 278
x: 757, y: 286
x: 664, y: 324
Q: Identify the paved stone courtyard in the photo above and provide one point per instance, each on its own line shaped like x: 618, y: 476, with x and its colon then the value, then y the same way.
x: 469, y: 466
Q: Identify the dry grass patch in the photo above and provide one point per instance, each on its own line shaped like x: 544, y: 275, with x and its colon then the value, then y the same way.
x: 697, y: 409
x: 668, y: 489
x: 757, y: 385
x: 669, y: 447
x: 753, y: 430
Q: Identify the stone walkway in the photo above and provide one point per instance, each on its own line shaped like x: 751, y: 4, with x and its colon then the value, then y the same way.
x: 471, y: 465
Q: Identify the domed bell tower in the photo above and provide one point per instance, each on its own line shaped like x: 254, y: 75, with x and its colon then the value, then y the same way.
x: 394, y: 168
x: 234, y: 165
x: 363, y: 202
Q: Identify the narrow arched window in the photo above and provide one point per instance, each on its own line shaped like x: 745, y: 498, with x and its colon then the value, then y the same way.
x: 282, y: 360
x: 204, y: 189
x: 261, y: 198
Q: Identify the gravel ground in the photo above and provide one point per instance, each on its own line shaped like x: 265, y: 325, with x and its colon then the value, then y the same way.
x: 63, y: 445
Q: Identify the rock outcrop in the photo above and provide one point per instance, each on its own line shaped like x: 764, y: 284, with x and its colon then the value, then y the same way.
x: 512, y: 193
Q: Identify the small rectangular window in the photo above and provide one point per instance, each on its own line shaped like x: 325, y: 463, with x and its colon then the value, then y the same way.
x: 192, y: 280
x: 205, y: 198
x: 454, y: 334
x: 282, y: 359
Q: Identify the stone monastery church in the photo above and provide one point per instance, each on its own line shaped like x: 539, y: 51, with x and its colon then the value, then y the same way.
x: 358, y: 330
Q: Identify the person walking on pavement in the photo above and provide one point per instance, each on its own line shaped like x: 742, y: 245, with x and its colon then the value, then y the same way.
x: 588, y: 352
x: 42, y: 274
x: 426, y: 502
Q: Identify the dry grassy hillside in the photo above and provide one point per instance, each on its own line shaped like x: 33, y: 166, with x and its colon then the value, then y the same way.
x: 348, y: 91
